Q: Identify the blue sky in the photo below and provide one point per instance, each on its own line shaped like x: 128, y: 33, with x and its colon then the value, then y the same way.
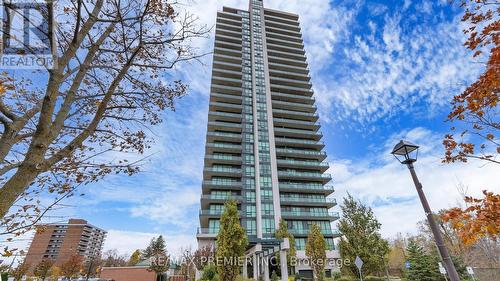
x: 381, y: 70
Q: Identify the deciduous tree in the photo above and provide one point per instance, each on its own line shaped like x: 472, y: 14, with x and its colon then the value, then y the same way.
x: 316, y: 252
x: 110, y: 82
x: 42, y: 269
x: 203, y: 255
x: 20, y: 271
x: 135, y: 258
x: 72, y: 267
x: 232, y: 242
x: 361, y: 237
x: 111, y: 258
x: 481, y: 218
x: 476, y: 109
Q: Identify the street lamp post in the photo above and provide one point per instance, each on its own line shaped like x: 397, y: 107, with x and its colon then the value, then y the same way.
x: 406, y: 153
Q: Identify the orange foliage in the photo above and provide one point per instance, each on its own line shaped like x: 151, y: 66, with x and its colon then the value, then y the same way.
x: 481, y: 219
x: 477, y: 106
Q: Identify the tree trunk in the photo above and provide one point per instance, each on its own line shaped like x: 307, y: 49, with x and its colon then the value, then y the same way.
x: 15, y: 186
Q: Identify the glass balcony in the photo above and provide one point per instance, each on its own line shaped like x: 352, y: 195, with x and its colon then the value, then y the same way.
x: 299, y: 113
x: 223, y: 170
x: 298, y: 122
x: 225, y: 124
x: 320, y: 154
x: 291, y: 105
x: 307, y: 187
x: 328, y: 232
x: 223, y: 145
x: 223, y: 157
x: 299, y: 141
x: 211, y: 212
x: 303, y: 163
x: 224, y: 135
x: 221, y: 197
x: 225, y: 114
x: 207, y: 230
x: 298, y: 132
x: 325, y: 215
x: 308, y: 199
x: 305, y: 175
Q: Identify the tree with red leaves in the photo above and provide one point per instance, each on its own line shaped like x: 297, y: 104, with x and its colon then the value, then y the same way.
x: 476, y: 109
x: 480, y: 219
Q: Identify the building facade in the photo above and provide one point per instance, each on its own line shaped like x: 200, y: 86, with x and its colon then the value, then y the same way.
x: 263, y: 143
x: 58, y: 242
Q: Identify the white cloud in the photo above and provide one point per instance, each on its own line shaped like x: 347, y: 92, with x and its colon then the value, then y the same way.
x: 402, y: 66
x: 383, y: 183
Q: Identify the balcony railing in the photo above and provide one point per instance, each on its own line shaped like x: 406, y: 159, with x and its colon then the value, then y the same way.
x: 223, y: 157
x: 304, y: 174
x: 298, y: 131
x: 299, y: 141
x: 306, y: 231
x: 299, y: 151
x: 222, y: 183
x: 211, y: 212
x: 308, y: 200
x: 299, y: 122
x: 331, y: 215
x: 306, y: 186
x: 292, y: 112
x: 208, y: 230
x: 221, y: 197
x: 303, y: 163
x: 224, y: 114
x: 225, y: 124
x: 223, y: 145
x: 221, y: 134
x: 223, y: 170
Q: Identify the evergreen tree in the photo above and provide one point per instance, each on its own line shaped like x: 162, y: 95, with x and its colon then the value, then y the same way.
x: 135, y: 258
x: 316, y: 252
x: 157, y: 253
x: 423, y: 266
x: 361, y: 237
x: 232, y: 242
x: 281, y: 233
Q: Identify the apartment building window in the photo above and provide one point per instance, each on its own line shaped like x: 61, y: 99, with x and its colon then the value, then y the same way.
x: 267, y: 194
x: 216, y: 208
x: 251, y: 226
x: 268, y: 226
x: 267, y: 209
x: 251, y: 211
x: 249, y: 171
x: 219, y: 194
x: 213, y: 226
x: 250, y: 196
x: 248, y: 148
x: 330, y: 245
x: 300, y: 244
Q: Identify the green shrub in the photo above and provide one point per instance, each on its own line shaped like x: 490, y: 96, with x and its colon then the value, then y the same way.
x: 209, y: 273
x: 336, y: 275
x: 274, y: 276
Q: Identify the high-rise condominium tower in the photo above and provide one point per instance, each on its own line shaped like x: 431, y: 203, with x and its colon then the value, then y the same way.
x: 263, y: 145
x: 58, y: 242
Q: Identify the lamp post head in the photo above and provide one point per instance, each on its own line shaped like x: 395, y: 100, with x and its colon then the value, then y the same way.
x: 405, y: 152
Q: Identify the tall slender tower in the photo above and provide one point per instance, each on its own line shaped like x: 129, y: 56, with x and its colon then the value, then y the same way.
x: 263, y: 145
